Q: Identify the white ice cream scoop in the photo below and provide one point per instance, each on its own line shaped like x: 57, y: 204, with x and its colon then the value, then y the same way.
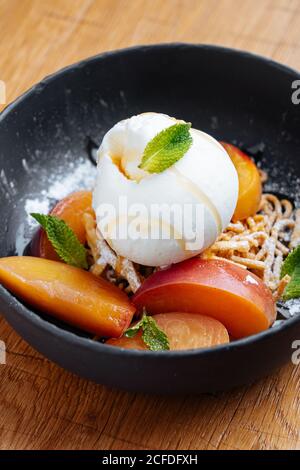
x: 151, y: 218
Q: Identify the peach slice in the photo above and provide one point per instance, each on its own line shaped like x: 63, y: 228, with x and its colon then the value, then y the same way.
x: 70, y: 294
x: 184, y: 331
x: 249, y: 183
x: 218, y: 289
x: 71, y: 210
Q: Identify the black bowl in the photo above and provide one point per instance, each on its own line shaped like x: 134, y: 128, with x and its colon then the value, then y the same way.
x: 46, y: 140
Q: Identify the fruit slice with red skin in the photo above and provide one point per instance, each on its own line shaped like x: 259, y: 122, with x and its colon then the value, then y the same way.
x: 250, y: 187
x: 218, y: 289
x: 184, y: 331
x: 71, y: 210
x: 70, y: 294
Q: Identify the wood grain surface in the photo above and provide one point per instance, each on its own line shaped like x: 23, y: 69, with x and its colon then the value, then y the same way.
x: 45, y: 407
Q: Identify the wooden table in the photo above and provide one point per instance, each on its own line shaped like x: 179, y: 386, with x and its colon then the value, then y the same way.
x: 41, y: 405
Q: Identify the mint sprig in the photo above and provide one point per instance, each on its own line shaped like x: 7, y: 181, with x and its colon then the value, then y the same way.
x: 291, y: 266
x: 63, y: 240
x: 166, y: 148
x: 152, y: 335
x: 292, y: 290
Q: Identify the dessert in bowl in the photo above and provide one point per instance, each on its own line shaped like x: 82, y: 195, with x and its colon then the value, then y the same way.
x: 102, y: 287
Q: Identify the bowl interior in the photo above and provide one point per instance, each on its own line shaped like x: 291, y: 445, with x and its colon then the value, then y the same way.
x: 48, y: 136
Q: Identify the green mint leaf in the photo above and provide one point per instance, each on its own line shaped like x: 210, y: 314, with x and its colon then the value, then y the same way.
x: 166, y: 148
x: 153, y: 336
x: 292, y: 290
x: 63, y: 240
x: 133, y: 330
x: 291, y: 266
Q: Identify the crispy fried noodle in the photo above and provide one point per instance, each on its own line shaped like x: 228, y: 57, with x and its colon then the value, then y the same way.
x: 106, y: 262
x: 260, y: 243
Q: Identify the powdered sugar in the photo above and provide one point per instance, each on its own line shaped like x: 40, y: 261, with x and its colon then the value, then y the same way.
x: 25, y: 165
x: 293, y: 306
x: 36, y: 205
x: 82, y: 176
x: 289, y: 308
x: 7, y: 187
x: 78, y: 175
